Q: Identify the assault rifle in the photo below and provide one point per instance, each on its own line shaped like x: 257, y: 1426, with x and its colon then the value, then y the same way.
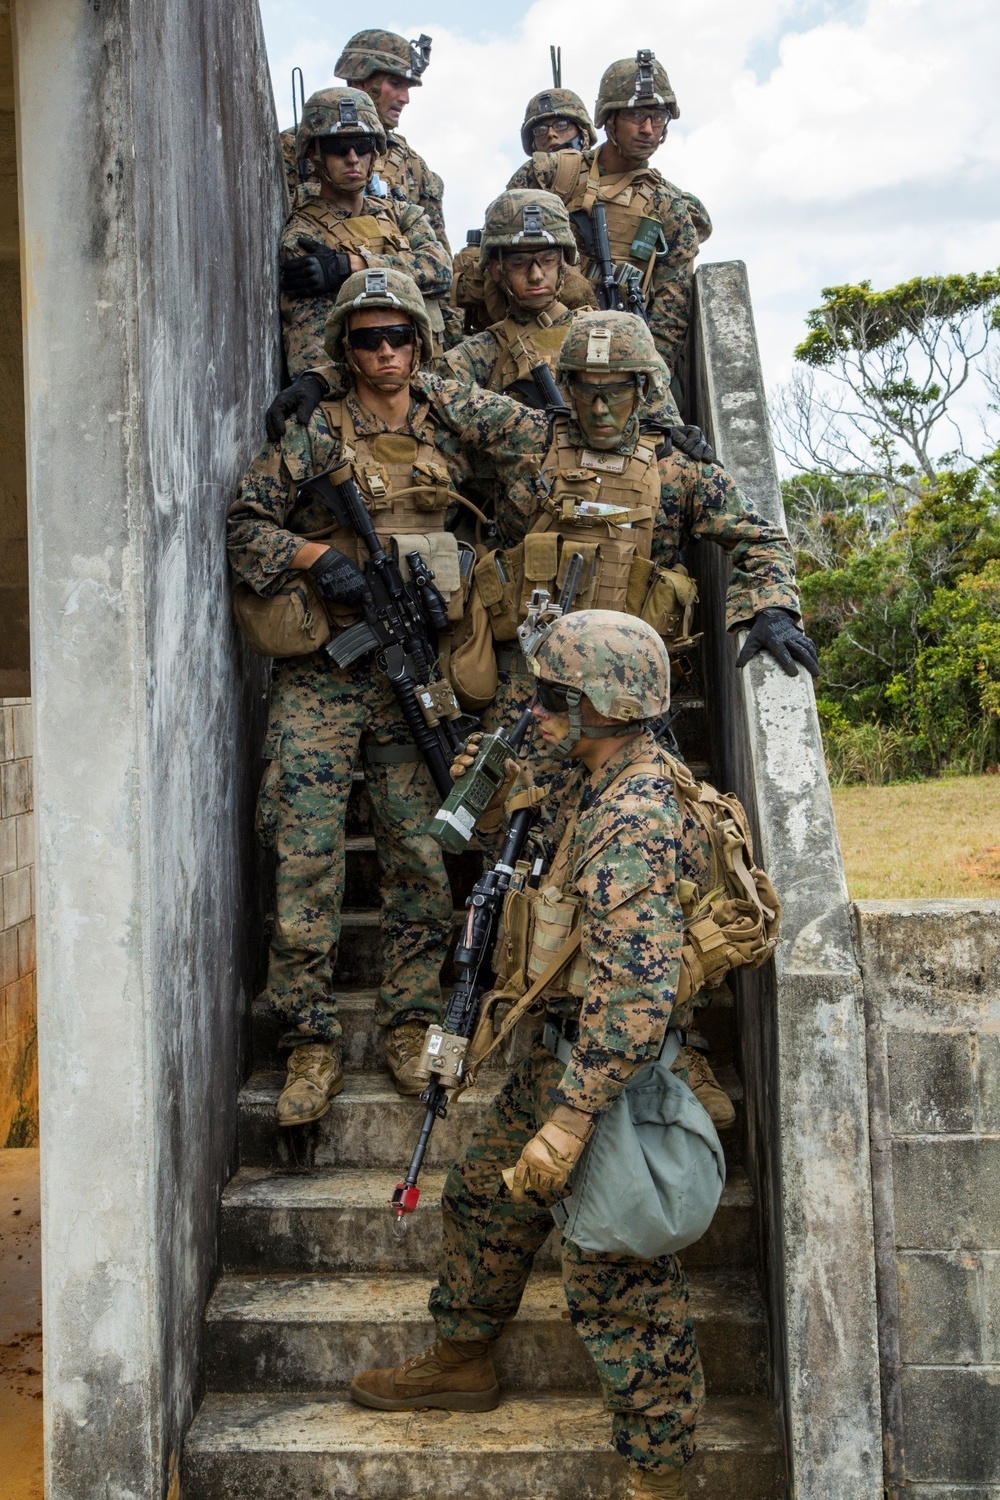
x: 401, y: 622
x: 619, y: 288
x: 442, y: 1061
x: 445, y: 1046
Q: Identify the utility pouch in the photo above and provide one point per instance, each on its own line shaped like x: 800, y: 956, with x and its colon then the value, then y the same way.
x: 510, y: 955
x: 292, y: 622
x: 472, y: 665
x: 665, y: 598
x: 555, y: 916
x: 500, y: 583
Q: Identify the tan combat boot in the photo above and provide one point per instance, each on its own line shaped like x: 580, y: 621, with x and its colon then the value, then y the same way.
x: 706, y: 1087
x: 655, y: 1484
x: 403, y: 1046
x: 451, y: 1377
x: 315, y: 1075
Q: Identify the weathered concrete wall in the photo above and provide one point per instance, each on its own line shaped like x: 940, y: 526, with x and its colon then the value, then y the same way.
x: 15, y: 679
x: 150, y: 205
x: 18, y: 1032
x: 932, y: 1007
x: 801, y: 1024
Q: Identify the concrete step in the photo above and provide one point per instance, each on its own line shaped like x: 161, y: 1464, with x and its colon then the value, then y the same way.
x: 340, y: 1221
x: 530, y: 1448
x: 313, y: 1333
x: 369, y: 1125
x: 363, y: 1040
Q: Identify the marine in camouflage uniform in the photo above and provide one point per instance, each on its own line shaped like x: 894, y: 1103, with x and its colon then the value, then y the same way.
x: 652, y: 224
x: 618, y: 832
x: 322, y: 715
x: 324, y: 235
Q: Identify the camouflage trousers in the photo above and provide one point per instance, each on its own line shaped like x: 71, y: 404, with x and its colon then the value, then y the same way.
x: 632, y: 1315
x: 320, y: 718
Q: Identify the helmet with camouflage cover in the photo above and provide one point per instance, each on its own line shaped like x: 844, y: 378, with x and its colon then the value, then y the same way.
x: 632, y: 82
x: 376, y: 51
x: 527, y: 219
x: 617, y: 661
x: 339, y: 112
x: 606, y: 342
x: 563, y: 103
x: 378, y: 288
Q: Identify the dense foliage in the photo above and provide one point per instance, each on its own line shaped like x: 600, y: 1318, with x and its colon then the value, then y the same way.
x: 902, y: 596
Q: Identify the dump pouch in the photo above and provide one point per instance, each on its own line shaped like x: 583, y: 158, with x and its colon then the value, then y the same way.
x: 292, y: 622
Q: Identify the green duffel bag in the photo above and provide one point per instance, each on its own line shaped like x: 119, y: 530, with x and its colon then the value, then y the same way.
x: 651, y: 1177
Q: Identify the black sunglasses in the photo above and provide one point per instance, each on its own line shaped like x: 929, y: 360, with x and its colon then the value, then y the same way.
x: 341, y: 145
x: 396, y: 335
x: 553, y: 699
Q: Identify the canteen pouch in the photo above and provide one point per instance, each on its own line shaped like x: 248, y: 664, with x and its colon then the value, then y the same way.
x: 472, y: 665
x: 291, y: 622
x: 665, y: 598
x: 651, y: 1176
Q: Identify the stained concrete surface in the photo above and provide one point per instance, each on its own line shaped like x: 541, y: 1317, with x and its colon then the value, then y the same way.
x: 20, y: 1326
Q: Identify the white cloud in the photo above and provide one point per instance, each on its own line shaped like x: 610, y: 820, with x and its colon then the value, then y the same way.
x: 830, y: 141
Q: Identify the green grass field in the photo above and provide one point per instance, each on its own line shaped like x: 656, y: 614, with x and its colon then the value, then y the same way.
x: 921, y: 839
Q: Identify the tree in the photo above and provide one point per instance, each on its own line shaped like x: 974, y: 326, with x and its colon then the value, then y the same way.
x: 883, y: 370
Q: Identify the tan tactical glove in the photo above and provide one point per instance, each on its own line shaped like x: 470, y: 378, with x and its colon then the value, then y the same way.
x: 549, y: 1157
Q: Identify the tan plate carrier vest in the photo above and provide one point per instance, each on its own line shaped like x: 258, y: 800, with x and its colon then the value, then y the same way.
x: 617, y: 571
x: 731, y: 921
x: 407, y: 490
x: 392, y: 167
x: 629, y: 200
x: 378, y: 233
x: 524, y: 345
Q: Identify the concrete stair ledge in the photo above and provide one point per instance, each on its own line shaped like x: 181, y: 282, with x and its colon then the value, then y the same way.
x: 553, y: 1447
x: 330, y: 1220
x: 314, y: 1332
x: 369, y: 1125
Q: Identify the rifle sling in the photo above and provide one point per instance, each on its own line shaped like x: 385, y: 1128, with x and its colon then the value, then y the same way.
x: 521, y: 1008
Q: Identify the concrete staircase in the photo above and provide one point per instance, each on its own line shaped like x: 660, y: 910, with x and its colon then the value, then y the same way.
x: 314, y: 1286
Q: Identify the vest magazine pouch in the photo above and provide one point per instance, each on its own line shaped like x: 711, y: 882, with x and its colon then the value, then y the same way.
x: 665, y: 598
x: 499, y: 582
x: 541, y: 567
x: 555, y: 916
x: 439, y: 552
x: 291, y: 622
x: 472, y: 664
x: 610, y: 586
x: 510, y: 957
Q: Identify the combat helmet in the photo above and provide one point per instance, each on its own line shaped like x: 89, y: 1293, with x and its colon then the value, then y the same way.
x: 616, y: 660
x: 339, y: 112
x: 600, y: 342
x: 556, y: 102
x: 375, y: 51
x: 634, y: 81
x: 379, y: 288
x: 527, y: 219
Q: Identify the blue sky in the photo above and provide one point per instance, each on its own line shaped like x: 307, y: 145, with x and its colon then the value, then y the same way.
x: 830, y: 139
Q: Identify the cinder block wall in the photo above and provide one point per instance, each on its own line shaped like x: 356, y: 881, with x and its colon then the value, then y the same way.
x: 932, y: 1005
x: 18, y: 1045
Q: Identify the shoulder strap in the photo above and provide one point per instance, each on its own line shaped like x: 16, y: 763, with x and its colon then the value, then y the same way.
x: 568, y: 173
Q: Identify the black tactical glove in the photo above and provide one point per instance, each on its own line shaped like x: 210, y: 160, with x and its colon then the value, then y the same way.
x: 775, y: 631
x: 298, y: 400
x: 321, y: 273
x: 692, y: 441
x: 337, y: 579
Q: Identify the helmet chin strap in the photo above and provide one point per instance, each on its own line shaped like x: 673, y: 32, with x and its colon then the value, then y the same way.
x: 390, y: 387
x: 578, y: 730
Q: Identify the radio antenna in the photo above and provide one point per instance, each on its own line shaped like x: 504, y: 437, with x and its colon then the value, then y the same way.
x: 555, y: 54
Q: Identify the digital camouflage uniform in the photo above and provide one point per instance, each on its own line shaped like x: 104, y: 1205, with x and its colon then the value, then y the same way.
x: 640, y: 193
x: 321, y: 714
x: 419, y: 255
x: 632, y: 1315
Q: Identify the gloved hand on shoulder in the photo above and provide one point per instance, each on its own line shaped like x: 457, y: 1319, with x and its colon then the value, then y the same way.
x: 691, y: 441
x: 777, y: 632
x: 298, y: 400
